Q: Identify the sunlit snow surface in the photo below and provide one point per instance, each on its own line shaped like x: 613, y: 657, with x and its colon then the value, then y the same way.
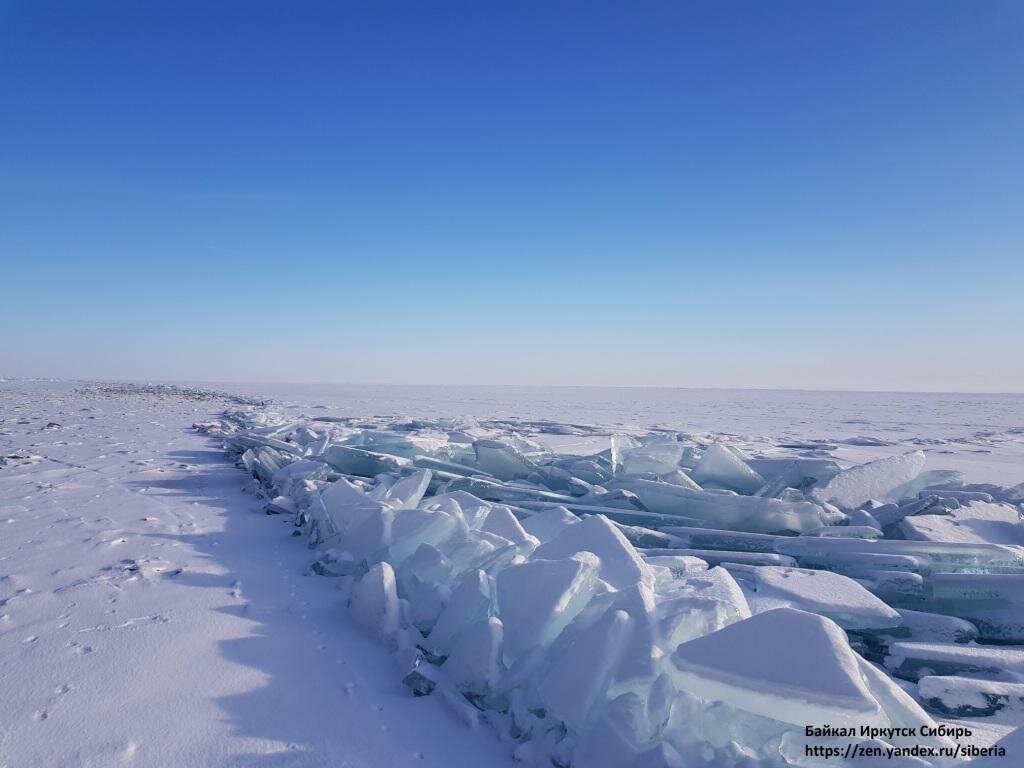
x: 658, y: 577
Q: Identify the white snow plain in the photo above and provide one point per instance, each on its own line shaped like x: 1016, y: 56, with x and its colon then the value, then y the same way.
x: 592, y: 577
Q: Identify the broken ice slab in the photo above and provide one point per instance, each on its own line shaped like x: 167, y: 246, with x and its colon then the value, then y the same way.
x: 912, y: 661
x: 860, y: 558
x: 537, y: 599
x: 581, y: 670
x: 882, y: 479
x: 620, y: 564
x: 964, y: 497
x: 297, y: 471
x: 357, y: 461
x: 375, y: 607
x: 956, y: 696
x: 502, y: 461
x: 720, y: 556
x: 408, y: 491
x: 474, y: 663
x: 978, y: 522
x: 994, y: 602
x: 509, y: 493
x: 846, y: 532
x: 396, y: 443
x: 472, y: 601
x: 618, y: 498
x: 711, y: 538
x: 915, y: 626
x: 931, y: 555
x: 728, y: 511
x: 547, y: 522
x: 786, y: 665
x: 697, y: 604
x: 451, y: 467
x: 677, y: 565
x: 721, y: 467
x: 791, y: 472
x: 934, y: 478
x: 646, y: 537
x: 344, y: 506
x: 829, y: 594
x: 630, y: 518
x: 656, y: 457
x: 249, y: 440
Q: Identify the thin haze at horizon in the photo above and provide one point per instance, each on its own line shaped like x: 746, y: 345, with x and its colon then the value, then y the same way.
x: 742, y: 194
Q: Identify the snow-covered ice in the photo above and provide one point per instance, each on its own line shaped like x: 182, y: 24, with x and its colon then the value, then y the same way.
x: 593, y: 579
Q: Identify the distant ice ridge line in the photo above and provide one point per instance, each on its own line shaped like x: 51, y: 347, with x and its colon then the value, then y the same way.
x: 630, y: 607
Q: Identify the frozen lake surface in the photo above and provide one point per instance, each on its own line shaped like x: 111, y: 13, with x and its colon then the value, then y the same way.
x: 979, y: 434
x: 591, y: 576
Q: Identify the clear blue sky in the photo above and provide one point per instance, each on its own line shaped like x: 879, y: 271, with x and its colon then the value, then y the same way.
x: 767, y: 194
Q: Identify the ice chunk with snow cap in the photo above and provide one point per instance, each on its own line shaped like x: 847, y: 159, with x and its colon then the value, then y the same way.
x: 879, y: 479
x: 838, y: 597
x: 501, y: 521
x: 720, y: 467
x: 621, y: 565
x: 550, y: 522
x: 700, y: 604
x: 784, y: 664
x: 537, y: 599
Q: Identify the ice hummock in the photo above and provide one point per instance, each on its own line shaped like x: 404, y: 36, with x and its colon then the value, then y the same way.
x: 660, y: 598
x: 784, y: 664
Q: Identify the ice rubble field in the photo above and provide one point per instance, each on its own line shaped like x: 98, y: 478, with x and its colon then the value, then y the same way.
x: 666, y: 600
x: 604, y: 582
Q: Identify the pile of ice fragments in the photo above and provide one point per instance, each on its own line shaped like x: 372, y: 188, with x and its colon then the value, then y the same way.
x: 667, y: 601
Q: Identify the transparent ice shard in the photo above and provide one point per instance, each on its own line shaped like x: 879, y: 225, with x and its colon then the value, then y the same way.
x: 347, y: 506
x: 502, y: 461
x: 720, y: 467
x: 733, y: 512
x: 356, y: 461
x: 657, y: 457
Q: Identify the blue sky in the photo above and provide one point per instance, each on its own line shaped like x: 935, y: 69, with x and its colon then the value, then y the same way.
x: 792, y: 194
